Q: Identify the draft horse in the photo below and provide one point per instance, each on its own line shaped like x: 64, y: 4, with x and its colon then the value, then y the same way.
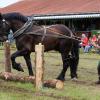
x: 25, y: 42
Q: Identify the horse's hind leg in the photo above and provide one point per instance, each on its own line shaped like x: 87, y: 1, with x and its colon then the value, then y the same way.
x: 15, y: 65
x: 74, y: 60
x: 28, y: 62
x: 65, y: 59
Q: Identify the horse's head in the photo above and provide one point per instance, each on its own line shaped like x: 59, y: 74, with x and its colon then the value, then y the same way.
x: 4, y: 28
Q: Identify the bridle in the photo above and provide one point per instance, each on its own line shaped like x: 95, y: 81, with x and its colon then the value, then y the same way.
x: 5, y: 24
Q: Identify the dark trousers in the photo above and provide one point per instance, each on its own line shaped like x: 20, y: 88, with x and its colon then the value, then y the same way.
x: 98, y: 68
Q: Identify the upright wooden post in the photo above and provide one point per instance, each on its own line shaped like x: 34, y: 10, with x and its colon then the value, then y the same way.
x: 7, y: 56
x: 39, y: 51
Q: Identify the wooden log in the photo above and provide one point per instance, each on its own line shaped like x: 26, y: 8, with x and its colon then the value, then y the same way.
x: 11, y: 77
x: 54, y: 84
x: 39, y: 63
x: 48, y: 83
x: 7, y: 56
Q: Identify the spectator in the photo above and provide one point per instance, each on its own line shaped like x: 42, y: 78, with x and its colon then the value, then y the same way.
x: 94, y: 38
x: 88, y: 46
x: 96, y: 44
x: 10, y: 37
x: 84, y: 42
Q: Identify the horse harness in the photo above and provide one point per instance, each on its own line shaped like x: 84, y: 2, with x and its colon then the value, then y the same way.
x: 25, y: 29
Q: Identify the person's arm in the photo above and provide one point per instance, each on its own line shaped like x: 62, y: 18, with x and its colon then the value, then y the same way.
x: 98, y: 47
x: 95, y: 45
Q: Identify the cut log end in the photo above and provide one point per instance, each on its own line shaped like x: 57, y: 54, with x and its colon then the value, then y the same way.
x: 54, y: 84
x: 59, y: 84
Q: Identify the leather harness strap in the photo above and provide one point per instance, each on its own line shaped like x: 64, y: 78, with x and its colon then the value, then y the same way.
x: 28, y: 25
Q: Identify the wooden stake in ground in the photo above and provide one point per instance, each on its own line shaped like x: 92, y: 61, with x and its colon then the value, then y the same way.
x: 7, y: 56
x: 39, y: 62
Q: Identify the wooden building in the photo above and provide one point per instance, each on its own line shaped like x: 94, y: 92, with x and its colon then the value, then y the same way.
x: 79, y: 15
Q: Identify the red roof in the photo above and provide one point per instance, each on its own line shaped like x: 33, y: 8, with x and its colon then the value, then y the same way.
x: 29, y: 7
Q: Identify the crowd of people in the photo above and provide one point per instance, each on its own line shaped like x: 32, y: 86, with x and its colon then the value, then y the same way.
x: 92, y: 42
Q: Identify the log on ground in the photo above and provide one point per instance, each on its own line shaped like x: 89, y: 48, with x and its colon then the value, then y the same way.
x: 54, y: 84
x: 48, y: 83
x: 11, y: 77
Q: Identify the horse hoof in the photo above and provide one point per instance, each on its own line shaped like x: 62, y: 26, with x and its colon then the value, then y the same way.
x: 21, y: 69
x: 59, y: 78
x: 98, y: 82
x: 18, y: 67
x: 74, y: 79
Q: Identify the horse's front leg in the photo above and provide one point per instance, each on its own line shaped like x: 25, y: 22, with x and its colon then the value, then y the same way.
x: 18, y: 53
x: 29, y: 65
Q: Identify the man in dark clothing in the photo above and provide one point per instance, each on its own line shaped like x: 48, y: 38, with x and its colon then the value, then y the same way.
x: 98, y: 68
x: 97, y: 45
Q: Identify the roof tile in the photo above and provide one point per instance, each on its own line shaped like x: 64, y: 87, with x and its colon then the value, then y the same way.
x: 29, y: 7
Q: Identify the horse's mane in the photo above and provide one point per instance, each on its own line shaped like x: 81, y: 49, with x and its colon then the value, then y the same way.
x: 16, y: 16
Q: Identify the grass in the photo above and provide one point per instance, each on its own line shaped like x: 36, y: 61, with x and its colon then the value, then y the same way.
x: 84, y: 89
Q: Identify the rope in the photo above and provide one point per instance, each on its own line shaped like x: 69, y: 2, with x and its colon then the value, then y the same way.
x: 54, y: 35
x: 43, y: 34
x: 49, y: 27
